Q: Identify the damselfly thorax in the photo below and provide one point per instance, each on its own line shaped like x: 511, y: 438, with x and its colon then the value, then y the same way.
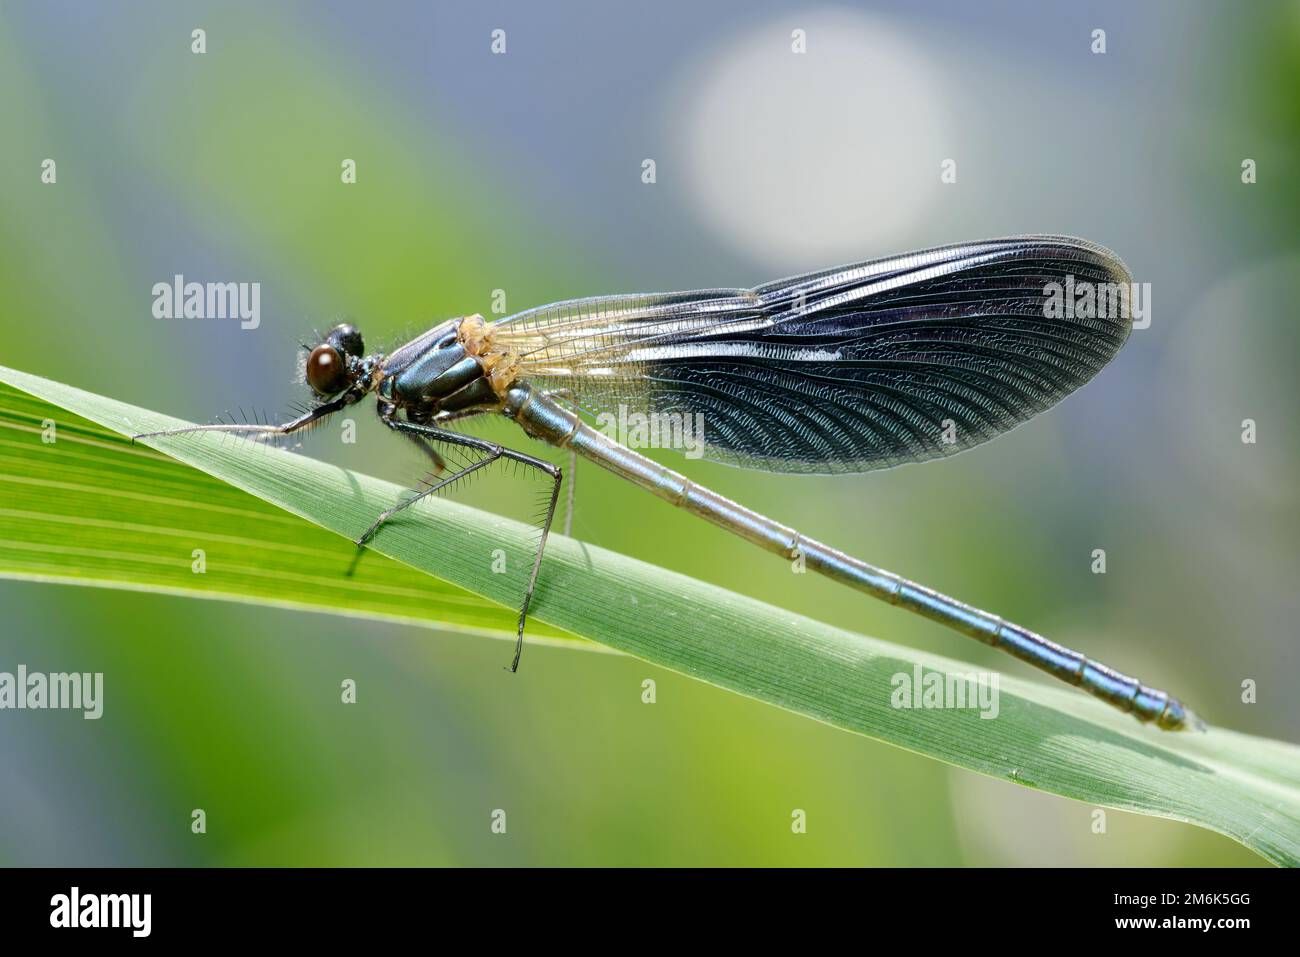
x: 851, y: 369
x: 454, y: 369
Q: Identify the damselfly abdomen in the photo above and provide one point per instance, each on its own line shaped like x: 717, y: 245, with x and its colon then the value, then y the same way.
x: 857, y: 368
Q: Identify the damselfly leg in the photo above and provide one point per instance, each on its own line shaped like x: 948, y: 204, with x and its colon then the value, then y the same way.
x: 306, y: 420
x: 570, y: 491
x: 422, y: 434
x: 491, y: 453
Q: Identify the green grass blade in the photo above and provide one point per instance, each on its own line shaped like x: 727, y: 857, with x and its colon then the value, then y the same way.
x: 91, y: 508
x: 1052, y: 738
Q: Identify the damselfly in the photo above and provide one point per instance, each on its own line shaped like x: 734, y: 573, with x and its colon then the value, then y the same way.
x: 852, y: 369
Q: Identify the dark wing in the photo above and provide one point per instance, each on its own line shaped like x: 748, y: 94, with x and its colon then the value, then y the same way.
x: 857, y: 368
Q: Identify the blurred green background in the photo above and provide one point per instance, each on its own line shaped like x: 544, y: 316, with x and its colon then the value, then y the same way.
x: 522, y: 172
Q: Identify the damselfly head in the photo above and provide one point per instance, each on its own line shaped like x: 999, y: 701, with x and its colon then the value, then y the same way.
x: 335, y: 364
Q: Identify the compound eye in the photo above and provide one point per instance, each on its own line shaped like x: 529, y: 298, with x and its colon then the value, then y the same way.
x: 326, y: 373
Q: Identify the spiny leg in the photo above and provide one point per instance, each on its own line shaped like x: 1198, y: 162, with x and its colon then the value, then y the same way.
x: 571, y: 492
x: 301, y: 422
x: 423, y: 493
x: 387, y: 411
x: 493, y: 452
x: 558, y: 477
x: 421, y: 443
x: 421, y: 436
